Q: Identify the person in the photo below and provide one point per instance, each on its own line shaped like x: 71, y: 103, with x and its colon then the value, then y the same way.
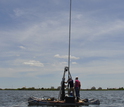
x: 71, y: 86
x: 77, y: 88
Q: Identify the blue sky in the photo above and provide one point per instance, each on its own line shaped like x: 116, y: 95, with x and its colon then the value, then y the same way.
x: 34, y: 42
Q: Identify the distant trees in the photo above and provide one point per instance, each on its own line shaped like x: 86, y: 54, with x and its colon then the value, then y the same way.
x: 59, y: 87
x: 93, y: 88
x: 33, y: 88
x: 121, y: 88
x: 24, y: 88
x: 100, y: 88
x: 52, y: 88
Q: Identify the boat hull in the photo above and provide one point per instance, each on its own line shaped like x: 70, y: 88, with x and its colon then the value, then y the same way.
x: 36, y: 101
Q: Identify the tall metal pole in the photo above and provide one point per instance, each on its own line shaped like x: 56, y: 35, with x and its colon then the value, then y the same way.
x: 69, y: 39
x: 62, y: 89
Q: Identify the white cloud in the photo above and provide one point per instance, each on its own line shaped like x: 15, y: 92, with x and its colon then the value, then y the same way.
x: 74, y: 62
x: 34, y: 63
x: 22, y: 47
x: 63, y: 63
x: 73, y: 57
x: 65, y: 56
x: 99, y: 67
x: 18, y: 12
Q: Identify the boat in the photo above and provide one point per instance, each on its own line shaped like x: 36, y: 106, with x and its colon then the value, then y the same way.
x: 64, y: 99
x: 69, y: 101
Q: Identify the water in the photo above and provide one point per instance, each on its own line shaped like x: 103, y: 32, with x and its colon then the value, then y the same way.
x: 19, y: 98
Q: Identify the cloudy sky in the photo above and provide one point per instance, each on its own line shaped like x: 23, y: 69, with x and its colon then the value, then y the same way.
x: 34, y: 42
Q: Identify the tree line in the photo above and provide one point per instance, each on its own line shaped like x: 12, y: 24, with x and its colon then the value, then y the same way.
x: 52, y: 88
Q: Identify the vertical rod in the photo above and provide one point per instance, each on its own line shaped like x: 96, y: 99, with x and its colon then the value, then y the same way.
x: 69, y: 38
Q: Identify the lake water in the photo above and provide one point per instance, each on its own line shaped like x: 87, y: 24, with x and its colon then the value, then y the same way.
x: 19, y: 98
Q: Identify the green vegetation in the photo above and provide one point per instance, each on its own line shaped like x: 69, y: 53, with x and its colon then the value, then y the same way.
x: 100, y: 89
x: 32, y: 88
x: 57, y: 89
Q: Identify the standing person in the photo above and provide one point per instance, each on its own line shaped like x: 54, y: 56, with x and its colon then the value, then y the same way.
x: 71, y: 86
x: 77, y: 88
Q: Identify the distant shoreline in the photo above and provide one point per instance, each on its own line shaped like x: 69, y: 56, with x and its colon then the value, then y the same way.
x: 33, y: 89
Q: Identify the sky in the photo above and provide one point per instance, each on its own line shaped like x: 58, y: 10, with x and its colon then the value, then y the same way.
x: 34, y: 42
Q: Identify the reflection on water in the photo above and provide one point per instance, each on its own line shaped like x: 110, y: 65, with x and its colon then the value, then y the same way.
x: 19, y: 98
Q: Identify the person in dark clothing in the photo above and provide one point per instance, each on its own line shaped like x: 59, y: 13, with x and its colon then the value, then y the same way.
x: 71, y: 86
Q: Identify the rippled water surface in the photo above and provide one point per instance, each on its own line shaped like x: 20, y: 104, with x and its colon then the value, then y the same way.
x: 19, y: 98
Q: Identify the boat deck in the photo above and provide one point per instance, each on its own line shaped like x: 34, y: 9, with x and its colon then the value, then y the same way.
x: 57, y: 103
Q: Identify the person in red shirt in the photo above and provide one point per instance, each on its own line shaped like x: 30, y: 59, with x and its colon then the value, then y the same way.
x: 77, y: 88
